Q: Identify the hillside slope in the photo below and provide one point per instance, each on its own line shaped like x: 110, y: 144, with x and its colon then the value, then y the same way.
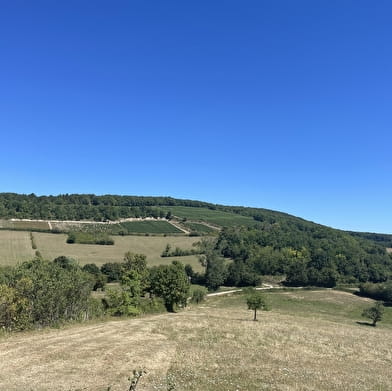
x: 259, y: 240
x: 309, y: 341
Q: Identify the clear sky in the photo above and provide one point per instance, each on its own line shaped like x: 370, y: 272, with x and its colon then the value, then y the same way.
x: 278, y: 104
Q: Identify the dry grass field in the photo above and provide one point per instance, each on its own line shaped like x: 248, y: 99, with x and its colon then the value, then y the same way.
x: 15, y: 246
x: 306, y: 342
x: 24, y: 224
x: 54, y: 245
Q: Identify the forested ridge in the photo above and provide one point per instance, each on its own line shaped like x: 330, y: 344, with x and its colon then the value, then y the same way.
x: 112, y: 207
x: 87, y: 206
x: 305, y: 254
x: 275, y: 243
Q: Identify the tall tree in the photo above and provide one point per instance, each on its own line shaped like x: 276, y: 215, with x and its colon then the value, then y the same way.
x: 171, y: 283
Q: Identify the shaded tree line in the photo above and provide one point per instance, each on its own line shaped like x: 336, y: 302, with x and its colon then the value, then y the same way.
x: 307, y: 255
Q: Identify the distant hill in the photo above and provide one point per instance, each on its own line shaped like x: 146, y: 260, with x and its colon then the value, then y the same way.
x: 258, y: 240
x: 79, y: 207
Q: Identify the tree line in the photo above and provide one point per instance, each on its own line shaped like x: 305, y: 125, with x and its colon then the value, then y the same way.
x: 307, y: 255
x: 40, y: 293
x: 88, y: 206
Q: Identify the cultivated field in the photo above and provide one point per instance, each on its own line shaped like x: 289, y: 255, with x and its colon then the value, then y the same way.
x: 54, y: 245
x: 25, y: 225
x: 216, y: 217
x: 197, y: 227
x: 15, y: 246
x: 149, y: 226
x: 307, y: 342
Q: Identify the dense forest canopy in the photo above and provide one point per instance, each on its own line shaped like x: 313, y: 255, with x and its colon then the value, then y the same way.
x: 87, y: 206
x: 307, y: 255
x: 112, y: 207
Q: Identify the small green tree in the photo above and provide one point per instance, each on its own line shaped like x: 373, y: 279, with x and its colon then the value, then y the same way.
x: 374, y: 313
x: 171, y: 283
x: 256, y: 301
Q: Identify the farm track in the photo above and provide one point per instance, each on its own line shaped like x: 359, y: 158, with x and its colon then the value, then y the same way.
x: 265, y: 287
x: 176, y: 225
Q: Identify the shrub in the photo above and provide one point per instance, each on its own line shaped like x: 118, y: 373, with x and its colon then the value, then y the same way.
x: 112, y: 271
x: 374, y: 313
x: 119, y: 303
x: 198, y: 295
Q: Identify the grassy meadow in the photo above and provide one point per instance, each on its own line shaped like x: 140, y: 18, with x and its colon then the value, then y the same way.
x: 310, y: 340
x: 197, y: 227
x: 15, y: 246
x: 54, y: 245
x: 25, y: 225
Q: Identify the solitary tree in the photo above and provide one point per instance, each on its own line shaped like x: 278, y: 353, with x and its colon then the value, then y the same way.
x: 374, y: 313
x: 256, y: 301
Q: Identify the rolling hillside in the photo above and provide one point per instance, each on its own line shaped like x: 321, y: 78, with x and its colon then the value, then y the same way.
x: 259, y: 241
x: 310, y: 340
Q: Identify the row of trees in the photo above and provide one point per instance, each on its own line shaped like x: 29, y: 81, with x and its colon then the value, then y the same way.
x: 87, y: 206
x: 41, y: 293
x: 178, y: 252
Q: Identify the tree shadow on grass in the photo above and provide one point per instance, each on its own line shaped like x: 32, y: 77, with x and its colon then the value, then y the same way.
x: 365, y: 324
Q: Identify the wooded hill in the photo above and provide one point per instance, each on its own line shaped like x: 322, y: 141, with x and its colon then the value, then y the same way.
x: 259, y: 241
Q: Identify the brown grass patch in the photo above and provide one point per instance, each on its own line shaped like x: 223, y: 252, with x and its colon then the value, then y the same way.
x: 214, y: 347
x: 15, y: 246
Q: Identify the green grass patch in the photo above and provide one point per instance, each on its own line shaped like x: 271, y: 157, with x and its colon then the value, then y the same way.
x: 223, y: 219
x: 149, y: 226
x: 199, y: 228
x: 325, y: 304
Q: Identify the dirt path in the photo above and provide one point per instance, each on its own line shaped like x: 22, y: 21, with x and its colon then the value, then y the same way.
x: 178, y: 227
x: 266, y: 286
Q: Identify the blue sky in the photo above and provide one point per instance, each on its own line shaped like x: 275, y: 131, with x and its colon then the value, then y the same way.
x: 278, y: 104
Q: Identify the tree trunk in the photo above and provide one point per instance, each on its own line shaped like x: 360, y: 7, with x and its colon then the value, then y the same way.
x: 255, y: 318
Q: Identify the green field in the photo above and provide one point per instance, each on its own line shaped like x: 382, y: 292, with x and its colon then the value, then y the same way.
x: 199, y: 228
x: 223, y: 219
x: 153, y: 227
x: 54, y: 245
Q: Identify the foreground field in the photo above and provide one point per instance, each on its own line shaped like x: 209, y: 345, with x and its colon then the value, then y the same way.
x: 17, y: 247
x: 307, y: 342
